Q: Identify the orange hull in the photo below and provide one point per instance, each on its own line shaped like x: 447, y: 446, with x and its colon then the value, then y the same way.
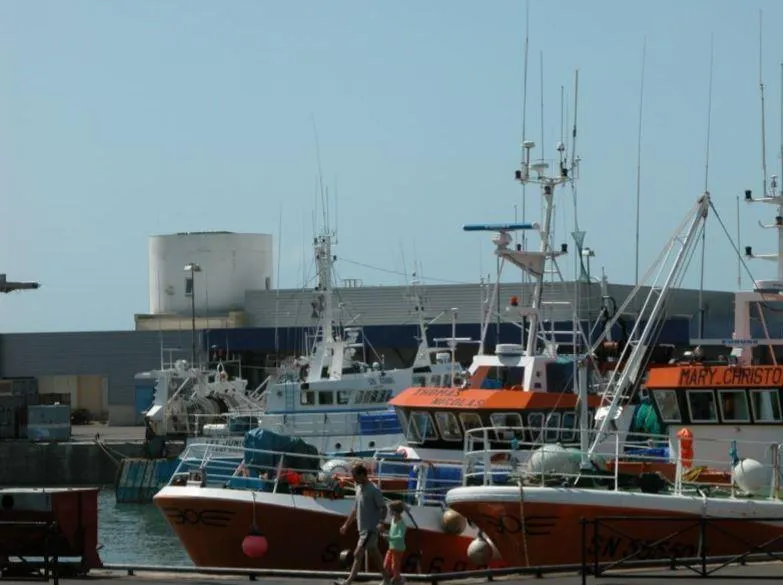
x: 212, y: 529
x: 551, y: 533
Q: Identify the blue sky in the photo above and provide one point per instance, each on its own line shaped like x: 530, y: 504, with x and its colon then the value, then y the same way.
x: 120, y: 120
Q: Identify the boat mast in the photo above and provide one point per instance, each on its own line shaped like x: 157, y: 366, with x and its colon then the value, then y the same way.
x: 328, y: 352
x: 534, y: 263
x: 623, y: 377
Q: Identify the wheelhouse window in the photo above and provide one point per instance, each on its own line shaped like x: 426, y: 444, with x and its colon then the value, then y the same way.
x: 702, y: 406
x: 326, y: 397
x: 559, y: 377
x: 470, y: 420
x: 435, y: 380
x: 512, y: 376
x: 535, y: 420
x: 668, y: 405
x: 553, y: 426
x: 446, y: 380
x: 343, y: 397
x: 307, y: 398
x: 421, y: 427
x: 766, y: 405
x: 506, y: 419
x: 448, y: 426
x: 734, y: 406
x: 419, y: 380
x: 568, y: 432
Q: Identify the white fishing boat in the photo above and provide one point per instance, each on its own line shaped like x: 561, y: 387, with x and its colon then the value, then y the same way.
x: 329, y: 397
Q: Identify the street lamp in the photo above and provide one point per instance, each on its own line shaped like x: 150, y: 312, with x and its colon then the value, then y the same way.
x: 192, y: 267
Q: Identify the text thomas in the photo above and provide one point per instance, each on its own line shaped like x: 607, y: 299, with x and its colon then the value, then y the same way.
x: 449, y: 397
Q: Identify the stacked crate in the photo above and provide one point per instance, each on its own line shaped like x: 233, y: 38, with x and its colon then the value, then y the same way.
x: 16, y: 395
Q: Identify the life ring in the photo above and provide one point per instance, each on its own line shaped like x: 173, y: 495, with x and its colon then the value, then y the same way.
x: 334, y: 466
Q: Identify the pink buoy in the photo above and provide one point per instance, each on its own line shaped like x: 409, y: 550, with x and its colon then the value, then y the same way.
x: 255, y: 545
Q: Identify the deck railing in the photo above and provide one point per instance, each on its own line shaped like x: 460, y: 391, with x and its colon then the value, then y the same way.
x: 486, y: 456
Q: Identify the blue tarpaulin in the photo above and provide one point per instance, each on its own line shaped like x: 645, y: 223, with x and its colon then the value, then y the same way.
x: 262, y: 440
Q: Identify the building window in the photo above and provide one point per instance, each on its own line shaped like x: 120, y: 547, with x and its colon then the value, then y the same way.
x: 766, y: 405
x: 188, y: 286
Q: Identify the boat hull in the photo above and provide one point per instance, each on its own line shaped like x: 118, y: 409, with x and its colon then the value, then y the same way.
x: 302, y: 532
x: 529, y: 527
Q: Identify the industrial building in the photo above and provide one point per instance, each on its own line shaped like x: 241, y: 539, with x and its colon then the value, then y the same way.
x: 220, y: 284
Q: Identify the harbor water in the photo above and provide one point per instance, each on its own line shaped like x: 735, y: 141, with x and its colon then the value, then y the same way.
x: 136, y: 534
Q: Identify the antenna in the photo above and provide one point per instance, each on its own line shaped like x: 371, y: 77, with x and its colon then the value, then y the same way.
x: 739, y: 247
x: 573, y: 132
x: 763, y: 121
x: 709, y: 120
x: 160, y: 328
x: 706, y: 190
x: 524, y: 114
x: 324, y: 202
x: 542, y: 103
x: 639, y: 157
x: 277, y: 277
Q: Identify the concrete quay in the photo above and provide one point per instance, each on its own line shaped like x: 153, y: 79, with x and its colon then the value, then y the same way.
x: 751, y: 573
x: 91, y: 457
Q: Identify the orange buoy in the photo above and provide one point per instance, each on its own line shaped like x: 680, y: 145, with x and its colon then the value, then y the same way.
x: 255, y: 545
x: 686, y: 446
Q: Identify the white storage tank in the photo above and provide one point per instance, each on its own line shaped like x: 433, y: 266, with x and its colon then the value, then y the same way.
x: 229, y: 264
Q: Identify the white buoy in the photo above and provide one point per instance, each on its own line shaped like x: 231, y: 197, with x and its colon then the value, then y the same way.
x: 553, y: 459
x: 751, y: 476
x: 480, y: 551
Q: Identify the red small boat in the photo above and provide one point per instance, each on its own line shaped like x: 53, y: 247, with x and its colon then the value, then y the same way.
x: 49, y: 523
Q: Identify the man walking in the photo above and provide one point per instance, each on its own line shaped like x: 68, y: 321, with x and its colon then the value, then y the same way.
x: 369, y: 512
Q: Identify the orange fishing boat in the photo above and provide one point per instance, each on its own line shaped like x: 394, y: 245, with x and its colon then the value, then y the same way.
x: 723, y: 415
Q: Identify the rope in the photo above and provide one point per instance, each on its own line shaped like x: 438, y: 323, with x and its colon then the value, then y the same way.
x: 522, y: 520
x: 117, y: 461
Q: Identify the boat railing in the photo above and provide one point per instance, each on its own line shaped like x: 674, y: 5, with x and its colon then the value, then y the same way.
x: 417, y: 481
x: 306, y: 424
x: 487, y: 461
x: 258, y: 392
